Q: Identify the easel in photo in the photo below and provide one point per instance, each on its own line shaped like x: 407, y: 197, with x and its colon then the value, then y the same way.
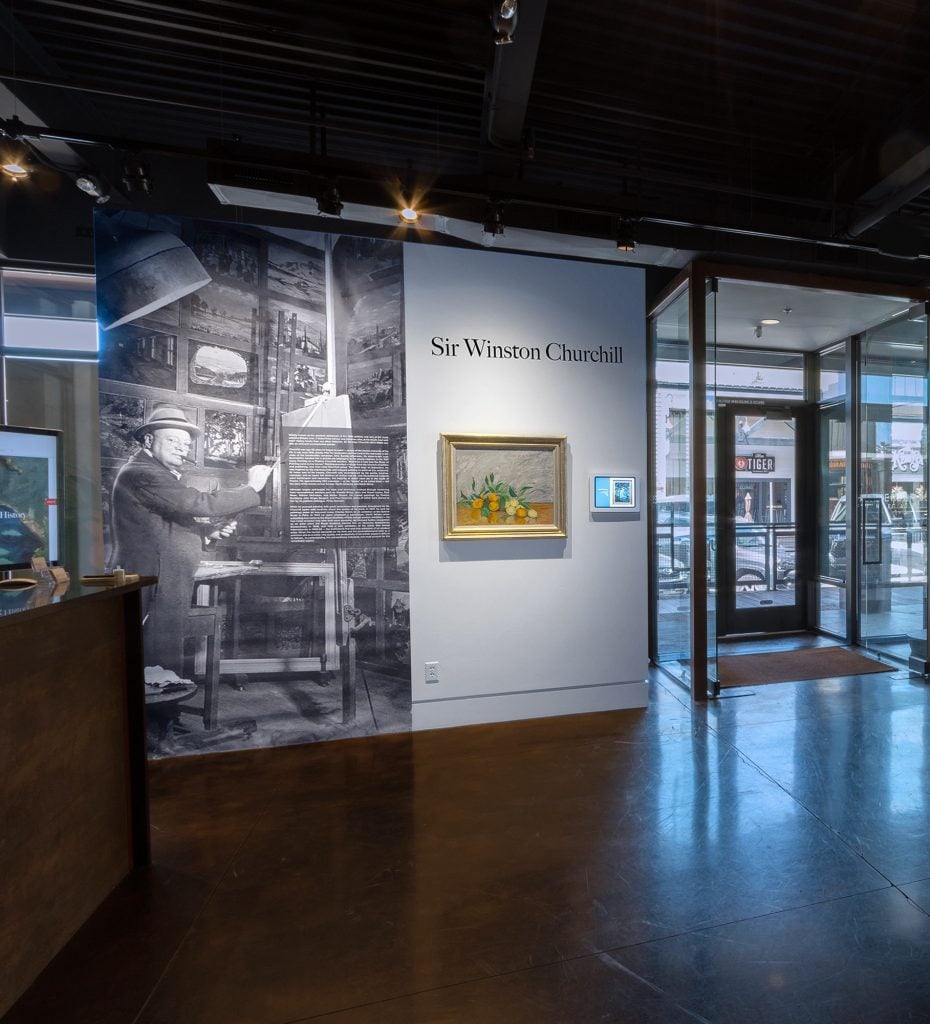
x: 333, y: 413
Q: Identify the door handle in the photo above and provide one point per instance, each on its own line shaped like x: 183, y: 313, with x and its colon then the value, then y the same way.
x: 871, y: 531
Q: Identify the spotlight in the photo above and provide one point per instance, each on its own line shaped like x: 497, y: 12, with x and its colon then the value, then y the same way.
x: 15, y: 169
x: 494, y: 219
x: 504, y: 21
x: 329, y: 202
x: 92, y: 186
x: 408, y: 212
x: 626, y: 240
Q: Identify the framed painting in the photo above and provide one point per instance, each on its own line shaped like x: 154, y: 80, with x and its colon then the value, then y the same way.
x: 502, y: 486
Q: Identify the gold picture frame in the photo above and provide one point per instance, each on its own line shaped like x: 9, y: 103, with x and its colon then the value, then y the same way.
x: 502, y: 485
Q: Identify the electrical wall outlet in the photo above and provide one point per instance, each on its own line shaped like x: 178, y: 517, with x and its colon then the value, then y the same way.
x: 432, y: 671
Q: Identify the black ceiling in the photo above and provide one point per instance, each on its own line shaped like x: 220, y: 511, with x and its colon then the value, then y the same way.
x: 782, y: 129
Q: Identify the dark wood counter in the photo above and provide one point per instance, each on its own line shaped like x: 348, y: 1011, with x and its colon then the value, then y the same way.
x: 73, y: 791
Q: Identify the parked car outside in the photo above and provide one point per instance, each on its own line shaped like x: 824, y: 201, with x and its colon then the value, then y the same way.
x: 673, y: 543
x: 764, y: 552
x: 755, y: 545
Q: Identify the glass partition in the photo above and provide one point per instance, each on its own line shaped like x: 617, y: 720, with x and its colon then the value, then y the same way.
x: 671, y: 536
x: 710, y: 433
x: 831, y: 595
x: 892, y: 529
x: 839, y: 378
x: 831, y: 373
x: 832, y: 605
x: 757, y: 374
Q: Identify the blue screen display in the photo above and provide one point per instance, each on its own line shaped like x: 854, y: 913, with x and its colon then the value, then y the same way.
x: 602, y: 492
x: 28, y: 496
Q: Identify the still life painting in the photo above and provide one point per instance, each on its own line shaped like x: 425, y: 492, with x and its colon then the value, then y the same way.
x: 503, y: 486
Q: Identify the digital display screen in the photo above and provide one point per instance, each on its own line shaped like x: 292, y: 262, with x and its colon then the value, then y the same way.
x: 613, y: 493
x: 29, y: 510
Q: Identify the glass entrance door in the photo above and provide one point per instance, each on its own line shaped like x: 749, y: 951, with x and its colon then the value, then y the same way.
x: 891, y: 525
x: 757, y: 537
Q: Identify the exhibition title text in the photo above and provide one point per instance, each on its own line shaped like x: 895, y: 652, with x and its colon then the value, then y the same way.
x: 555, y: 351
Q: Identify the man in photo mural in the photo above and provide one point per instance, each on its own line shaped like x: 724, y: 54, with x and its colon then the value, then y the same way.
x: 161, y: 527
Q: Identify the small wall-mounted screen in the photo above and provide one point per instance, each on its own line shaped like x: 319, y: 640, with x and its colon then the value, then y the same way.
x: 29, y: 509
x: 613, y: 493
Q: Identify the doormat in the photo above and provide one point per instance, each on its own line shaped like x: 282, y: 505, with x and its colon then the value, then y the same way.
x: 789, y: 666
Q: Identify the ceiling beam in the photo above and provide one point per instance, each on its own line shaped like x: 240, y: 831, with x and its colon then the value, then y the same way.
x: 899, y: 187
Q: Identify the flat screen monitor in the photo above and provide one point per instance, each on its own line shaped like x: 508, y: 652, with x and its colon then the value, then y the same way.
x: 29, y: 495
x: 613, y: 493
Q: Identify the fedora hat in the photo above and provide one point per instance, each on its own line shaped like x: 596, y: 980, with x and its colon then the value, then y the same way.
x: 166, y: 416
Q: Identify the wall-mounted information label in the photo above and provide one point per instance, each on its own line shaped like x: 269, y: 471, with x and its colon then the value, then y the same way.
x: 338, y: 485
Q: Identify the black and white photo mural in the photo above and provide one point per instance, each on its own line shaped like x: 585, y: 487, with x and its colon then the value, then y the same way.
x: 254, y: 459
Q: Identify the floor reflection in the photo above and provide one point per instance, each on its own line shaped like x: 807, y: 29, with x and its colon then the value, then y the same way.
x: 763, y: 859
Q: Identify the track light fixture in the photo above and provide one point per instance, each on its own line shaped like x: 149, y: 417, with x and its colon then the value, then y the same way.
x: 626, y: 239
x: 136, y: 176
x: 504, y: 21
x: 494, y: 219
x: 93, y: 186
x: 329, y: 202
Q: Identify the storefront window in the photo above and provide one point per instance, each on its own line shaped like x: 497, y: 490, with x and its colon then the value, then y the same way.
x: 49, y: 313
x: 756, y: 374
x: 831, y: 373
x: 49, y: 366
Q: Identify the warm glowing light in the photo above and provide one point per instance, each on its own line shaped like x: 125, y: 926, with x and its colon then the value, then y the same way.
x: 14, y: 170
x: 409, y: 215
x: 769, y: 323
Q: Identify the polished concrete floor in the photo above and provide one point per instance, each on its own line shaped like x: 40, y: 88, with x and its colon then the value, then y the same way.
x: 764, y: 859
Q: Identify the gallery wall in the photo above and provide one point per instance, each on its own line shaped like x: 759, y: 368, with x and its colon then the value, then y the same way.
x: 526, y: 627
x: 257, y: 347
x: 319, y: 631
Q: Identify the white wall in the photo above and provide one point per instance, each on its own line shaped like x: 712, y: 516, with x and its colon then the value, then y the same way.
x: 525, y: 627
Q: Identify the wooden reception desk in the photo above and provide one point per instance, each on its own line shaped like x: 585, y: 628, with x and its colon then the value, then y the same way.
x: 73, y: 793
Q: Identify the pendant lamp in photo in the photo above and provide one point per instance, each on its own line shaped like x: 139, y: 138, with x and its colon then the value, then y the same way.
x: 139, y: 271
